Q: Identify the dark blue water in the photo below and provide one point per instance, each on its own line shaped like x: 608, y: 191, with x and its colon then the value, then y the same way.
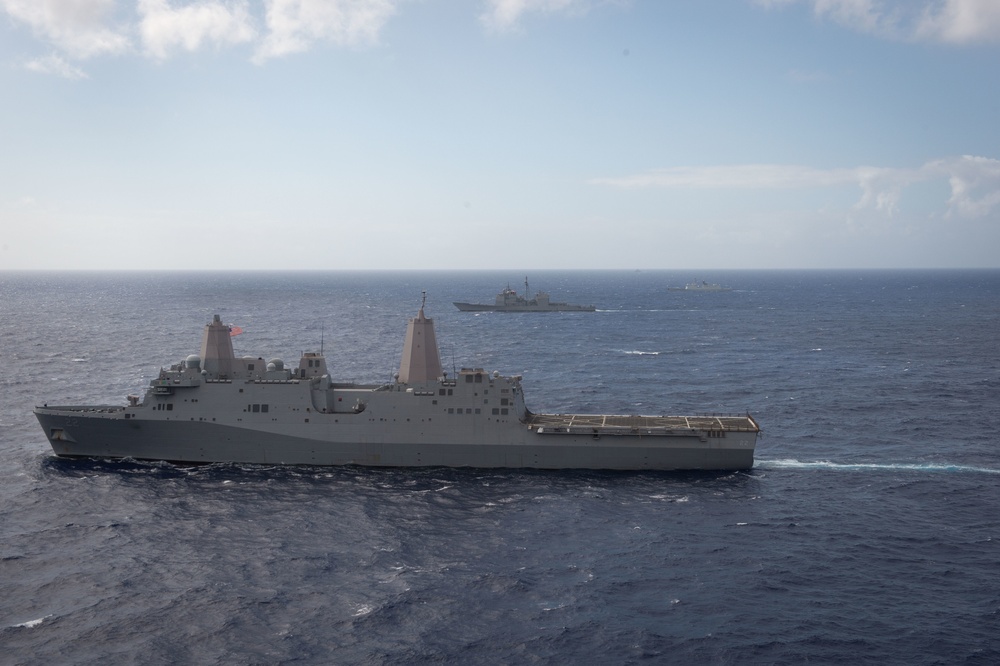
x: 868, y: 530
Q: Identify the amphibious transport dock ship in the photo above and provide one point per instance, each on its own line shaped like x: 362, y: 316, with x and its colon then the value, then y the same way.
x: 215, y: 407
x: 509, y: 300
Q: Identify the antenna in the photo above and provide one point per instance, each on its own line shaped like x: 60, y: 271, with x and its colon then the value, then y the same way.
x: 424, y: 300
x: 322, y: 332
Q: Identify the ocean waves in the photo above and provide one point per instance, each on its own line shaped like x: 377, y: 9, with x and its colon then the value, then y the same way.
x: 867, y: 530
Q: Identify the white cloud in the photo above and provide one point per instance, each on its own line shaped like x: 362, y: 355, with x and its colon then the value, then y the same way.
x: 504, y: 14
x: 81, y: 29
x: 76, y: 27
x: 165, y: 28
x: 294, y: 25
x: 881, y: 189
x: 974, y: 181
x: 961, y: 22
x: 948, y: 21
x: 55, y: 64
x: 975, y: 185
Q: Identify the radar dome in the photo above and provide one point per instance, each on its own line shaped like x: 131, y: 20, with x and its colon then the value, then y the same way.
x: 193, y: 361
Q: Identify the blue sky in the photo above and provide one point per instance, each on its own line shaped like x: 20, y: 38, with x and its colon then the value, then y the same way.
x: 499, y: 134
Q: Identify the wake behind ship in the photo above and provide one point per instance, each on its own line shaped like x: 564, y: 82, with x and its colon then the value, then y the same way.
x: 215, y: 407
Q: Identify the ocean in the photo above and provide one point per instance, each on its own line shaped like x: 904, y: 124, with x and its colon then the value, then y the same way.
x: 868, y: 530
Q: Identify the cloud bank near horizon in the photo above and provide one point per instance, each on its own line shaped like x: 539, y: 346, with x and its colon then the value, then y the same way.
x: 78, y: 30
x: 974, y: 182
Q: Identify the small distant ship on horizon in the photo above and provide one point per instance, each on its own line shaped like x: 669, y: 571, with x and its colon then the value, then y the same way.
x: 509, y: 300
x: 700, y: 286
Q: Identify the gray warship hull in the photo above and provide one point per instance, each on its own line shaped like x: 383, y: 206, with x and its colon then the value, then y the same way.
x: 219, y: 408
x: 509, y: 300
x: 105, y: 432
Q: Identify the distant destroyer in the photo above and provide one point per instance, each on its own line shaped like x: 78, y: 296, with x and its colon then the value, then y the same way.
x: 215, y: 407
x: 700, y: 286
x: 509, y: 300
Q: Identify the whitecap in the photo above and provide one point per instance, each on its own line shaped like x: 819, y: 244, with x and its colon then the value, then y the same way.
x: 669, y: 498
x: 31, y: 624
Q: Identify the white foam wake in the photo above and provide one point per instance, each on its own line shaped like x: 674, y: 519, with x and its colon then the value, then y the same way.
x: 915, y: 467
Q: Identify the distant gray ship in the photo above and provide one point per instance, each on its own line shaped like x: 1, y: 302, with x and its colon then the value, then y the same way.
x: 700, y: 286
x: 215, y: 407
x: 509, y: 300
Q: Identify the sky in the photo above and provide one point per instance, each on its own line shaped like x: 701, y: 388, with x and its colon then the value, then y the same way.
x: 499, y: 134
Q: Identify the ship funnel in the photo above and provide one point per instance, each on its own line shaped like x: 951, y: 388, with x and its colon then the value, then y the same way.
x: 421, y: 361
x: 217, y: 349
